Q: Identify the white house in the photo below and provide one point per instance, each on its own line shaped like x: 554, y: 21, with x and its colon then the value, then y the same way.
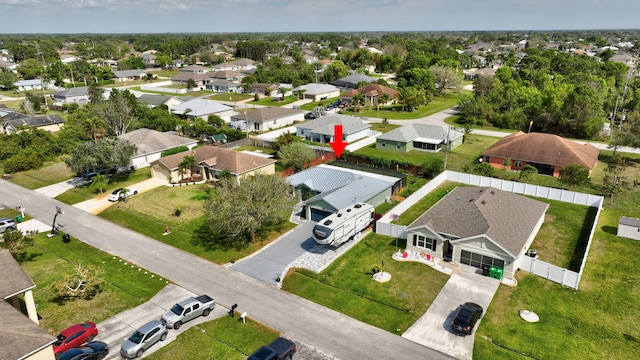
x: 322, y: 129
x: 151, y: 143
x: 201, y: 108
x: 267, y: 118
x: 318, y: 92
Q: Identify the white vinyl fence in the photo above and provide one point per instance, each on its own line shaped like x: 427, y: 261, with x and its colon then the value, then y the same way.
x: 537, y: 267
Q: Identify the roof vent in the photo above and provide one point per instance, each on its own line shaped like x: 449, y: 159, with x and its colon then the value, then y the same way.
x: 483, y: 202
x: 493, y: 192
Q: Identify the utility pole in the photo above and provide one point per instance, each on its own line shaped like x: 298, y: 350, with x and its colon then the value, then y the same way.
x: 446, y: 149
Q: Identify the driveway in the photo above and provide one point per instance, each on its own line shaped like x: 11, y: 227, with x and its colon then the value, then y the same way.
x: 433, y: 329
x: 100, y: 203
x: 115, y: 330
x: 272, y: 260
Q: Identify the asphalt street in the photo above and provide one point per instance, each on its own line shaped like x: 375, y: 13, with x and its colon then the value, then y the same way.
x: 334, y: 334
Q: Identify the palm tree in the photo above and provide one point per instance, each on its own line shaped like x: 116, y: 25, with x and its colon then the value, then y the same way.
x: 301, y: 93
x: 357, y: 101
x: 384, y: 99
x: 94, y: 126
x: 283, y: 91
x: 187, y: 163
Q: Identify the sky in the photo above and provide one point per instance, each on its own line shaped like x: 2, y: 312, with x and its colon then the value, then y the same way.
x: 232, y: 16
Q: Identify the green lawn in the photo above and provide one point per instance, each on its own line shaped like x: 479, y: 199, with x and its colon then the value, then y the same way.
x: 125, y: 285
x: 150, y: 212
x: 269, y: 101
x: 395, y: 112
x: 383, y: 128
x: 233, y: 97
x: 223, y: 338
x: 47, y: 175
x: 346, y: 285
x: 85, y: 192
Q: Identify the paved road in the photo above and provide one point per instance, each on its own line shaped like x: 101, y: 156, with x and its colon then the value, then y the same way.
x: 328, y: 331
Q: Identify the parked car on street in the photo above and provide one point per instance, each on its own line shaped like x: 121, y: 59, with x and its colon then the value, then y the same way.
x: 75, y: 336
x: 121, y: 193
x: 466, y: 317
x: 96, y: 350
x: 7, y: 224
x: 279, y: 349
x: 147, y: 335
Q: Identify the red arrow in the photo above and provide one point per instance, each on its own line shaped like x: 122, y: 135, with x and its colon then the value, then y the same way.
x: 337, y: 144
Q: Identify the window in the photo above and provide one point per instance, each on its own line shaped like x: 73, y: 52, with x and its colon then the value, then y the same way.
x: 517, y: 163
x: 383, y: 144
x: 487, y: 158
x: 424, y: 242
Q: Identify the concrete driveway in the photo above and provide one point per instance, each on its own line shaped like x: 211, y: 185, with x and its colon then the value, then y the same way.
x: 115, y: 330
x: 272, y: 260
x: 100, y: 202
x: 433, y: 329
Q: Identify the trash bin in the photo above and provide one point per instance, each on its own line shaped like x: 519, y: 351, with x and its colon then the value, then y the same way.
x: 499, y: 273
x: 19, y: 218
x: 492, y: 271
x: 485, y: 270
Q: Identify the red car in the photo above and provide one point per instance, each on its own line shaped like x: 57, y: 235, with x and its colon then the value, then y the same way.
x: 75, y: 336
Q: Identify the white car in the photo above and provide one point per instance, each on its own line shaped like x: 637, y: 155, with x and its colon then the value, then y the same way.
x: 121, y: 193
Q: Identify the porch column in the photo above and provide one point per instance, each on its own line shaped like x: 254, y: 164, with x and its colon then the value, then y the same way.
x: 31, y: 306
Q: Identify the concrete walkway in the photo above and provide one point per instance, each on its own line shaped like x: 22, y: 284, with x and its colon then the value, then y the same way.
x: 433, y: 329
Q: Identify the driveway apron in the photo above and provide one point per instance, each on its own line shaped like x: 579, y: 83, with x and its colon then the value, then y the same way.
x: 433, y: 329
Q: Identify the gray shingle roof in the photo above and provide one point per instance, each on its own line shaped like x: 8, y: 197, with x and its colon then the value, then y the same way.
x: 629, y: 221
x: 266, y: 114
x: 325, y: 125
x: 200, y: 107
x: 129, y: 73
x: 155, y: 100
x: 33, y: 121
x: 411, y: 132
x: 78, y: 91
x: 353, y: 80
x: 150, y: 141
x: 316, y: 89
x: 506, y: 218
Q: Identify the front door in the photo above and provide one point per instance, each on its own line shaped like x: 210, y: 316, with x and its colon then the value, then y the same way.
x: 447, y: 251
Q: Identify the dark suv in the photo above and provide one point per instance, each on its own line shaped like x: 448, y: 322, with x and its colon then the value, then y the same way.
x: 466, y: 317
x: 7, y: 224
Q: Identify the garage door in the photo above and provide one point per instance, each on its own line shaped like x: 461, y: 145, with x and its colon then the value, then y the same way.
x: 317, y: 214
x: 479, y: 260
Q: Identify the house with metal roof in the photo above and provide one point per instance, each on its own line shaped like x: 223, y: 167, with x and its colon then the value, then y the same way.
x: 14, y: 122
x: 151, y: 143
x: 267, y: 118
x: 421, y: 137
x: 321, y: 130
x: 210, y: 162
x: 129, y: 75
x: 546, y: 152
x: 353, y: 81
x: 202, y: 108
x: 326, y: 189
x: 21, y: 337
x: 317, y: 92
x: 152, y: 100
x: 478, y: 226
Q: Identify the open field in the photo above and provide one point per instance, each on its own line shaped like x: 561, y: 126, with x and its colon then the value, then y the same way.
x: 47, y: 175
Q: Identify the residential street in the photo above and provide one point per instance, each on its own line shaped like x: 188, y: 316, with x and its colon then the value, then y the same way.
x: 328, y: 331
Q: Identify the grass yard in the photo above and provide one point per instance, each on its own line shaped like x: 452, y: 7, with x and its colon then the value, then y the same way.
x: 150, y: 212
x: 233, y: 96
x: 263, y: 150
x: 125, y: 285
x: 47, y: 175
x: 383, y: 128
x: 269, y: 101
x: 82, y: 193
x: 395, y: 112
x: 346, y: 285
x: 223, y: 338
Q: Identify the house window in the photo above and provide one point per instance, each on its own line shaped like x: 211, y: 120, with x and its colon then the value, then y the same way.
x: 487, y: 159
x: 517, y: 163
x: 424, y: 242
x: 383, y: 144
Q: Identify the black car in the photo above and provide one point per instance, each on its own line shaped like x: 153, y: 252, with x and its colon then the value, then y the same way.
x: 466, y: 317
x: 95, y: 350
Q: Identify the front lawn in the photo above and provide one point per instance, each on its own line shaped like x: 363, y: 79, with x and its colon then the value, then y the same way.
x: 223, y: 338
x: 347, y: 285
x: 269, y: 101
x: 125, y: 285
x: 232, y: 97
x: 47, y: 175
x: 395, y: 112
x: 150, y: 212
x: 84, y: 192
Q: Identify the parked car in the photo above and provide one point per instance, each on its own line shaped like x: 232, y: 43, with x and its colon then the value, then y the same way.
x: 96, y: 350
x: 466, y: 317
x: 188, y: 309
x: 120, y: 193
x: 7, y: 224
x: 147, y: 335
x: 75, y: 336
x: 279, y: 349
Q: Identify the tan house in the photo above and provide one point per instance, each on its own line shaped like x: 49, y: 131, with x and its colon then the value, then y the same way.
x: 546, y: 152
x: 20, y: 335
x: 14, y: 122
x: 210, y: 161
x: 371, y: 94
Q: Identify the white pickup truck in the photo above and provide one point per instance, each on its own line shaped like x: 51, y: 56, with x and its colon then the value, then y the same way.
x: 188, y: 309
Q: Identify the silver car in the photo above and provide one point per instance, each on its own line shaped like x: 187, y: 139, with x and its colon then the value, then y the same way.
x: 143, y: 338
x: 7, y: 224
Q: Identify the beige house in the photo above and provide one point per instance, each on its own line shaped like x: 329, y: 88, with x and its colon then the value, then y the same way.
x: 20, y: 335
x: 14, y: 122
x: 210, y: 161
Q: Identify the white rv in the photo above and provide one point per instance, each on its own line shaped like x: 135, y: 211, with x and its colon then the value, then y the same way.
x: 342, y: 226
